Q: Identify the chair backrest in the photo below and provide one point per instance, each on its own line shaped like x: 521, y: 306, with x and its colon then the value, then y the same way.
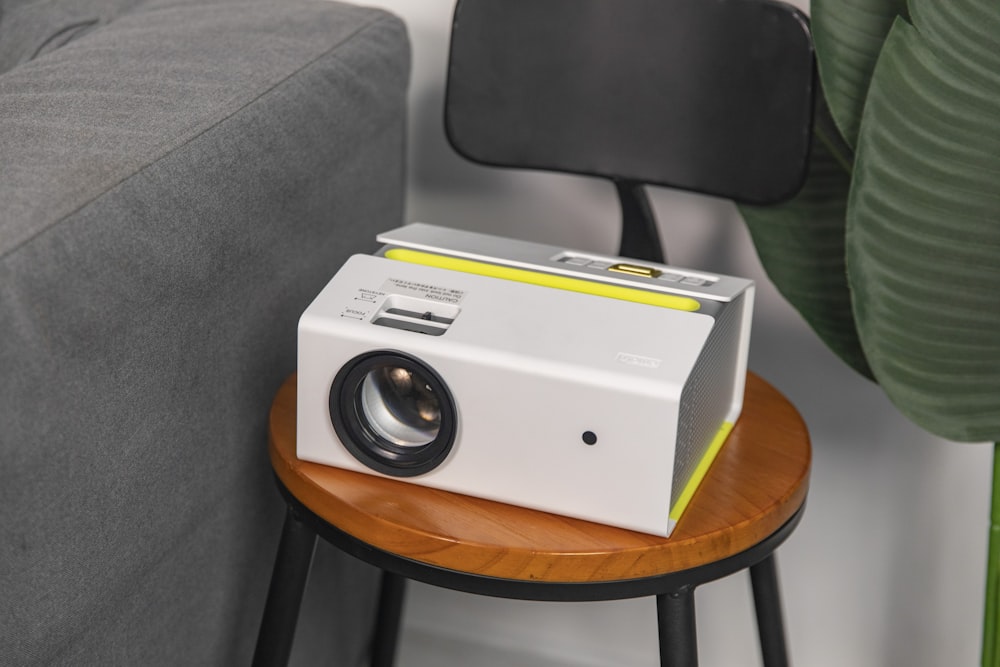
x: 711, y: 96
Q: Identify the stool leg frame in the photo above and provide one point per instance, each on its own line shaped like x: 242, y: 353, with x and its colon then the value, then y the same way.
x: 767, y: 601
x: 676, y: 624
x: 675, y: 606
x: 387, y: 622
x: 284, y: 596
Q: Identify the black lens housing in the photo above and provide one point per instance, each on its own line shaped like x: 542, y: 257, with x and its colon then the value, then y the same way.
x: 364, y: 441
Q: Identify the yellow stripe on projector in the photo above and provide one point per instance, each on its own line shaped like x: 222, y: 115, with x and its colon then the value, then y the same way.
x: 699, y: 472
x: 544, y: 279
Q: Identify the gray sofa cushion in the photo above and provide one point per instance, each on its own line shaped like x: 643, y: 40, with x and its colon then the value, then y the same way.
x: 31, y: 28
x: 175, y: 186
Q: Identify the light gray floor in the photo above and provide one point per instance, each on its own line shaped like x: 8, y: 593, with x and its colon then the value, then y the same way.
x: 423, y: 649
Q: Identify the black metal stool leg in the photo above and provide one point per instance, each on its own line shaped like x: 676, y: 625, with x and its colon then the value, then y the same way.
x: 678, y: 638
x: 387, y: 621
x: 764, y: 579
x: 288, y: 582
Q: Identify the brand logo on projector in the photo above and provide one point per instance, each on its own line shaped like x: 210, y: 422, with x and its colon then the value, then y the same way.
x: 636, y: 360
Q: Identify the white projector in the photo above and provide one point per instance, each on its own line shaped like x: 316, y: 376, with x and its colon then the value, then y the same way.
x: 580, y: 384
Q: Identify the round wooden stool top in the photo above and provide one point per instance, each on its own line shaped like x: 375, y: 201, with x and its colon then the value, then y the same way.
x: 756, y: 484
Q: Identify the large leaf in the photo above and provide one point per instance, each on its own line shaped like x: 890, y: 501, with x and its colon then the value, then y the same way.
x: 848, y: 35
x: 801, y: 245
x: 924, y: 219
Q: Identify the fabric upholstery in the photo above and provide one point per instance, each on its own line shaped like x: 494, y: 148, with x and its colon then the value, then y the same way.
x: 177, y: 181
x: 31, y: 28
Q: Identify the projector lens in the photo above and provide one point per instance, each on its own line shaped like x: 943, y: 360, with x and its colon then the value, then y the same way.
x: 393, y: 413
x: 401, y: 406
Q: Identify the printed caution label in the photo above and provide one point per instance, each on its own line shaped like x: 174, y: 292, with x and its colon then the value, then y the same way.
x: 424, y: 291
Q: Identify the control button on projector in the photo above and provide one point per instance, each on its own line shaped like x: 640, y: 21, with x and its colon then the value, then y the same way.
x: 691, y: 280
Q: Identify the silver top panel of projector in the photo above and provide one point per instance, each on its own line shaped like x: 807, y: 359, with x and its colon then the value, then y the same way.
x: 564, y: 261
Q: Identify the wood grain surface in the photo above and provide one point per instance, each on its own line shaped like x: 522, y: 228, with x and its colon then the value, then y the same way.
x: 757, y: 482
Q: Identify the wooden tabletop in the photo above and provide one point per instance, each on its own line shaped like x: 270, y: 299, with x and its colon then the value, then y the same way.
x: 756, y: 484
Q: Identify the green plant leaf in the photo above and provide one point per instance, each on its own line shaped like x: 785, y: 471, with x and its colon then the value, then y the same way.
x: 848, y: 35
x: 801, y: 245
x: 923, y: 233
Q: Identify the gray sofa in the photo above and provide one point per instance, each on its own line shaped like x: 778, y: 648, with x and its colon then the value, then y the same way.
x: 178, y: 178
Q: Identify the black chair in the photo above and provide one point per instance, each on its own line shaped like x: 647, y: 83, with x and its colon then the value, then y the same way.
x: 713, y: 96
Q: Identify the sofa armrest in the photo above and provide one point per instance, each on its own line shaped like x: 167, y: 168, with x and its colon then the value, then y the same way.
x: 175, y: 186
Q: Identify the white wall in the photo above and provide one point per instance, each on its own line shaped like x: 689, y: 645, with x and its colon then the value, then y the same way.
x: 888, y: 563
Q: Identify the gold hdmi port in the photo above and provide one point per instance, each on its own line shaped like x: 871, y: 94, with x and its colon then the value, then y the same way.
x: 635, y: 270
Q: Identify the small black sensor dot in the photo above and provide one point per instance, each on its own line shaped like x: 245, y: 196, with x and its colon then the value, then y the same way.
x: 590, y: 437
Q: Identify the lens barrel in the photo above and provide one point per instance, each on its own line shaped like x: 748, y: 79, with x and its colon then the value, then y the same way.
x: 393, y: 413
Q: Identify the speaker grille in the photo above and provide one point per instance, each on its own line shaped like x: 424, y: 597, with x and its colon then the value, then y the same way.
x: 707, y: 396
